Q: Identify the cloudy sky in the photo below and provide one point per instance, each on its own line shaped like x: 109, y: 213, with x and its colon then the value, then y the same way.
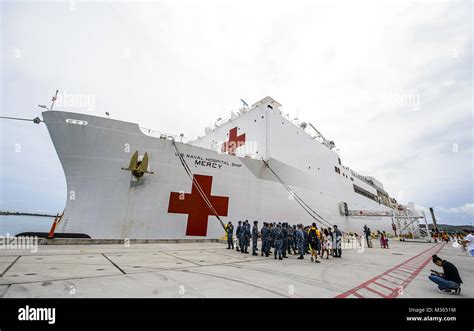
x: 389, y: 81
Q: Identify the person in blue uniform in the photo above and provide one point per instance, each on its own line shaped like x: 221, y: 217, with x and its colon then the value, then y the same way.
x: 230, y: 235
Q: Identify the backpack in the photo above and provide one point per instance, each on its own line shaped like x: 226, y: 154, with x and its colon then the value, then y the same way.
x: 312, y: 235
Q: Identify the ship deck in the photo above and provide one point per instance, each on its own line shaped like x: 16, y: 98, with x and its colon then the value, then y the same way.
x: 204, y: 270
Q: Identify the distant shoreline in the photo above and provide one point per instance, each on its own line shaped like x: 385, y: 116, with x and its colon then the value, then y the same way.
x: 451, y: 228
x: 17, y: 213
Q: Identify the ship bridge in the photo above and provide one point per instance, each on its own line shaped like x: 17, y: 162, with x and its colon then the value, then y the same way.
x: 267, y: 102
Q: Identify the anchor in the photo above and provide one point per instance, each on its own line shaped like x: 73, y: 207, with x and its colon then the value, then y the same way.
x: 138, y: 168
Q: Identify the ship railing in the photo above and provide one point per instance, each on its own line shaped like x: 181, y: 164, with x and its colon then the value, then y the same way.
x: 362, y: 178
x: 163, y: 135
x: 365, y: 180
x: 235, y: 114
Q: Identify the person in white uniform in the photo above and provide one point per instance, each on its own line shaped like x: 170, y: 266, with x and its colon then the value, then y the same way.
x: 468, y: 242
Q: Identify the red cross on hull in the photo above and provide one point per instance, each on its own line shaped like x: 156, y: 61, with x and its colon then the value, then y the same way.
x: 195, y: 206
x: 234, y: 142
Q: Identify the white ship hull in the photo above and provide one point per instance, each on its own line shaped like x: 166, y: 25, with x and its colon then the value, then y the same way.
x: 105, y: 201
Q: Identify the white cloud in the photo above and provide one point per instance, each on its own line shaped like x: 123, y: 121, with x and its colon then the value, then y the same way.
x: 390, y: 81
x: 467, y: 208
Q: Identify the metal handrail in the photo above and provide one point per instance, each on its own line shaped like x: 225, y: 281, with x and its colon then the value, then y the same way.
x: 163, y: 135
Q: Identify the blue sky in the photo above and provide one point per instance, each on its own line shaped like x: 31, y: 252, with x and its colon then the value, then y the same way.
x: 389, y: 81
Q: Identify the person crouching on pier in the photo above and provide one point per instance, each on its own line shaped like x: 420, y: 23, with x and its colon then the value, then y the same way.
x: 449, y: 280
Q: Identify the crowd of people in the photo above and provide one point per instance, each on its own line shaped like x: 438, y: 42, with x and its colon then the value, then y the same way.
x: 285, y: 239
x: 381, y: 236
x: 281, y: 239
x: 464, y: 240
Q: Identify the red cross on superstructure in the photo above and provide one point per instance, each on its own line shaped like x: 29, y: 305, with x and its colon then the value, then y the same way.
x: 234, y: 142
x: 195, y: 206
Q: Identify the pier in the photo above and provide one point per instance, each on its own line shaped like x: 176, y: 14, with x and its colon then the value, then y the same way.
x: 207, y: 269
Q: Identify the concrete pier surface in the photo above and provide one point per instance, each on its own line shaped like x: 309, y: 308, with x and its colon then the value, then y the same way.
x: 208, y: 269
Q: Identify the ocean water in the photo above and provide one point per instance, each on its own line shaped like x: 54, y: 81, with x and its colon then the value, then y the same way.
x: 16, y: 224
